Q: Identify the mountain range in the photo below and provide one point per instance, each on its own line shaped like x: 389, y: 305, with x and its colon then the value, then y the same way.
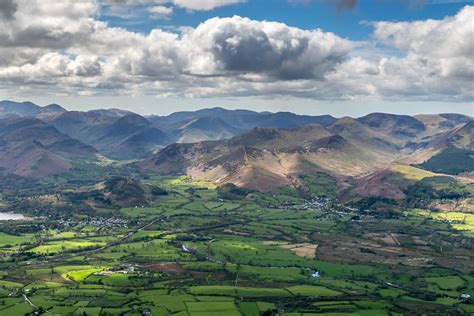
x: 266, y: 158
x: 122, y: 134
x: 377, y: 154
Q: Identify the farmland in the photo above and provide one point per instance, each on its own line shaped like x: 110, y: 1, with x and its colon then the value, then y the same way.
x: 195, y: 252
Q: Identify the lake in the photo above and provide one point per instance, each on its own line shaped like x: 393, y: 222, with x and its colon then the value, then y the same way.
x: 12, y: 217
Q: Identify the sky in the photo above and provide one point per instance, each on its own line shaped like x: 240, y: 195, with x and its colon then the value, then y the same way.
x: 339, y: 57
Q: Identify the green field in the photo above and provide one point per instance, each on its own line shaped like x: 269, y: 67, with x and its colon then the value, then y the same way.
x: 193, y: 252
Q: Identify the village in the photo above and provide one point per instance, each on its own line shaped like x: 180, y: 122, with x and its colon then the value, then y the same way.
x: 98, y: 222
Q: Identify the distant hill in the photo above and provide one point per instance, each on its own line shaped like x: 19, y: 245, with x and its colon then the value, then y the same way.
x: 219, y: 123
x: 361, y: 152
x: 378, y: 155
x: 447, y: 155
x: 359, y: 133
x: 203, y: 128
x: 118, y: 192
x: 123, y: 135
x: 111, y: 112
x: 120, y: 137
x: 265, y: 158
x: 439, y: 122
x: 450, y: 152
x: 397, y: 126
x: 461, y: 136
x: 31, y: 147
x: 29, y: 109
x: 245, y: 119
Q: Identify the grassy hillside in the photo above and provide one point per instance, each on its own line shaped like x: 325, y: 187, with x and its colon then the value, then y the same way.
x: 395, y: 182
x: 451, y: 160
x: 321, y: 185
x: 439, y: 187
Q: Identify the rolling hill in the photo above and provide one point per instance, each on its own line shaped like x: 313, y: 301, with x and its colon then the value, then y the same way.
x: 375, y: 155
x: 118, y: 136
x: 452, y: 152
x: 397, y: 126
x: 245, y: 119
x: 203, y: 128
x: 219, y: 123
x: 31, y: 147
x: 372, y: 157
x: 266, y: 158
x: 28, y: 109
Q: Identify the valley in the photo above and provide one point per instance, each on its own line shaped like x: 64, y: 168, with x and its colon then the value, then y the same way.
x: 236, y: 158
x: 220, y: 212
x: 199, y: 251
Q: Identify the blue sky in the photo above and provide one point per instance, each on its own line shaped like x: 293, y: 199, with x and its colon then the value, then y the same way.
x: 339, y: 57
x: 322, y: 14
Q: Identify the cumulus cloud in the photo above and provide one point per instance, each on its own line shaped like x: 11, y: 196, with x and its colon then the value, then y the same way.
x: 446, y: 45
x: 61, y: 47
x: 204, y: 5
x: 438, y: 57
x: 191, y: 5
x: 160, y: 11
x: 234, y: 46
x: 49, y: 24
x: 56, y: 65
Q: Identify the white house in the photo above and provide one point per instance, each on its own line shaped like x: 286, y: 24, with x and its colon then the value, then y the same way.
x: 316, y: 274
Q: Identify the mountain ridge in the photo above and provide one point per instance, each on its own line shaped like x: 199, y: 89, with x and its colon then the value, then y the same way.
x: 258, y: 150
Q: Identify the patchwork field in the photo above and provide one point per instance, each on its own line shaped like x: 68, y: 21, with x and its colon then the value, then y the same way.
x: 194, y: 252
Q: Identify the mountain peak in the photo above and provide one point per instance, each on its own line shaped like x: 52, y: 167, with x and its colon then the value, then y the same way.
x: 382, y: 120
x: 53, y: 107
x: 256, y: 135
x: 132, y: 119
x: 209, y: 123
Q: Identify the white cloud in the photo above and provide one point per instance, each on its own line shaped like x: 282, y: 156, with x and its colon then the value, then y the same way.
x: 437, y: 59
x: 160, y: 9
x: 204, y: 5
x: 62, y: 47
x: 446, y: 45
x: 160, y: 12
x: 119, y: 7
x: 235, y: 46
